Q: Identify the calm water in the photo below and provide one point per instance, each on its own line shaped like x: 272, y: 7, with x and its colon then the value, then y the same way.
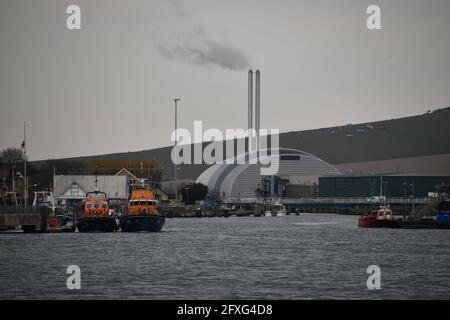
x: 293, y: 257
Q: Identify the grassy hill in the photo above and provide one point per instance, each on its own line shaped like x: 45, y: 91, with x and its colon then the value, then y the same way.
x: 422, y: 135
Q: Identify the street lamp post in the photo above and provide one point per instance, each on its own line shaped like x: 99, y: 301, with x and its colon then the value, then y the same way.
x: 176, y: 138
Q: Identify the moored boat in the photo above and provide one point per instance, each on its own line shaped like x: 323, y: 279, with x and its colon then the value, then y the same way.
x: 281, y: 210
x: 96, y: 217
x: 367, y: 220
x: 379, y: 218
x: 257, y: 213
x: 54, y: 224
x: 142, y: 213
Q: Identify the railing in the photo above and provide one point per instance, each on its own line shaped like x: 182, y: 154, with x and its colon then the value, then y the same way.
x: 241, y: 200
x: 162, y: 195
x: 356, y: 200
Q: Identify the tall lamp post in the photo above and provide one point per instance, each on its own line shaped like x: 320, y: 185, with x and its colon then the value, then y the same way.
x: 25, y: 193
x: 176, y: 138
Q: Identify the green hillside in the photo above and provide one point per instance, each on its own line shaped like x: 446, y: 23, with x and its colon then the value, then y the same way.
x: 427, y: 134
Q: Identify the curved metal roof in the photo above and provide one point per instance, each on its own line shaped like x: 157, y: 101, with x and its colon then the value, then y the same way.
x: 233, y: 177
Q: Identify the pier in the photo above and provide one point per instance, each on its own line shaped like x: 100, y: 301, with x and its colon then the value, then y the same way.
x: 352, y: 205
x: 30, y: 218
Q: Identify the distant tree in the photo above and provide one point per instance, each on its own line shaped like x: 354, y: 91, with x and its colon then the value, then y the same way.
x: 12, y: 156
x: 11, y: 161
x: 194, y: 192
x: 41, y: 174
x: 3, y: 184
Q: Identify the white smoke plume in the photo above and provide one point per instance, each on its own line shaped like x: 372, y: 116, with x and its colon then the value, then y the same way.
x: 195, y: 47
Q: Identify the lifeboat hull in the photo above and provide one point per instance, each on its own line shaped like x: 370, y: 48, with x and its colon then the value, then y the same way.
x: 373, y: 222
x: 366, y: 222
x: 387, y: 224
x: 142, y: 222
x: 97, y: 224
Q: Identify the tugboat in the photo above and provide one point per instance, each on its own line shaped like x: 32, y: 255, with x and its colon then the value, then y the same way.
x: 379, y: 218
x: 96, y: 216
x: 142, y: 213
x: 368, y: 220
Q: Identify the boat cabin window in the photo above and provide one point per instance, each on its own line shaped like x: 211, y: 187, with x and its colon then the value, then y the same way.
x: 142, y: 202
x: 134, y: 202
x: 96, y: 206
x: 89, y: 206
x: 104, y: 206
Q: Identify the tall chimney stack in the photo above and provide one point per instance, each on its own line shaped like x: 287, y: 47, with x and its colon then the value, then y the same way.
x: 250, y: 99
x: 257, y: 108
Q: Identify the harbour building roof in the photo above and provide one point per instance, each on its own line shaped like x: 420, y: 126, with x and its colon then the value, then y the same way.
x: 242, y: 180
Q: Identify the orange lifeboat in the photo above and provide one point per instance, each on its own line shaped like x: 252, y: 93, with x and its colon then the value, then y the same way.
x: 142, y: 201
x: 142, y: 213
x: 96, y: 217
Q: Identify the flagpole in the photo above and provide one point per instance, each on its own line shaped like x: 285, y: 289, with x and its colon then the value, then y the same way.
x: 25, y: 193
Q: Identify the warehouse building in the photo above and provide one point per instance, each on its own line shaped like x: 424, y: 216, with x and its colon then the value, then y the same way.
x: 384, y: 185
x: 245, y: 180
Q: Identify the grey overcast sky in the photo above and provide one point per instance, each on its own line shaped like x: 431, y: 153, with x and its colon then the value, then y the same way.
x: 109, y: 86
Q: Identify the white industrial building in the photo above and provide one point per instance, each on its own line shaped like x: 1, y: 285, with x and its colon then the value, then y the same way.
x: 243, y: 180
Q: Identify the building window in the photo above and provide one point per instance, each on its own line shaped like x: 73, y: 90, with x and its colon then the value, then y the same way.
x: 74, y: 190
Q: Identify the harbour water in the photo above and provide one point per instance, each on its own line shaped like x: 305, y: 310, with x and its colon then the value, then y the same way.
x: 293, y: 257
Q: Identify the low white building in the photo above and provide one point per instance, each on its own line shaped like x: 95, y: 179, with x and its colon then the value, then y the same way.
x: 75, y: 187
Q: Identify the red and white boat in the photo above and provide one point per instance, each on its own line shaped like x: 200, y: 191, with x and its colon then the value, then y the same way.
x: 379, y: 218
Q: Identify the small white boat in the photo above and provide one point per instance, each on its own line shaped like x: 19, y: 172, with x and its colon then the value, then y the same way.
x: 268, y: 213
x: 281, y: 213
x: 280, y: 210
